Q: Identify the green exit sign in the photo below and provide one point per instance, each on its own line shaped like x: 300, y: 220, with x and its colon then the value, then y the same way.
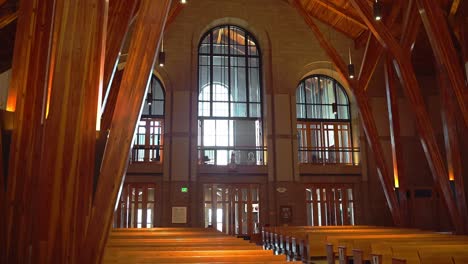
x: 184, y: 189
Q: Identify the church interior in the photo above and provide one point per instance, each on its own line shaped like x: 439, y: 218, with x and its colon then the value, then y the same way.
x: 234, y: 131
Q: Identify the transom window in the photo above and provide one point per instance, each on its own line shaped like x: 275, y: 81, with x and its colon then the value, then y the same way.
x: 148, y: 143
x: 230, y: 101
x: 324, y: 121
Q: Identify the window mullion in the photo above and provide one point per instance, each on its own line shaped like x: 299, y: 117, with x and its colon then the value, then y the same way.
x: 247, y: 86
x: 211, y: 73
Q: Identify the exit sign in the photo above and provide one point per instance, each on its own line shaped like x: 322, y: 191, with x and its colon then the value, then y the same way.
x: 184, y: 189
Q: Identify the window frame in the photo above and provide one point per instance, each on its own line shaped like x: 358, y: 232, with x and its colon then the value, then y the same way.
x: 150, y: 120
x: 211, y: 83
x: 304, y: 125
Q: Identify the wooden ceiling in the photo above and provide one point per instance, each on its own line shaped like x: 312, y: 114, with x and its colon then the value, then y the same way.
x: 339, y: 14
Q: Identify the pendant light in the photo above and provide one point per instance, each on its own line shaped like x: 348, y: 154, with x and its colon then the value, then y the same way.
x: 162, y: 54
x: 183, y: 1
x: 149, y: 96
x: 351, y: 71
x: 334, y: 108
x: 377, y: 10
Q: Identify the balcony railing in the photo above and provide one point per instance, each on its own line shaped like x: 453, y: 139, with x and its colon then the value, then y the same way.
x: 232, y: 155
x: 147, y: 153
x: 345, y: 156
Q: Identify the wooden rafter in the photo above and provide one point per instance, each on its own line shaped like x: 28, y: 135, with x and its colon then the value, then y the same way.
x: 406, y: 74
x: 374, y: 50
x: 142, y: 54
x: 173, y: 13
x: 367, y: 118
x: 411, y: 26
x: 399, y: 175
x: 2, y: 200
x: 341, y: 12
x: 7, y: 19
x: 121, y: 13
x: 439, y: 36
x: 454, y: 8
x: 452, y: 144
x: 113, y: 90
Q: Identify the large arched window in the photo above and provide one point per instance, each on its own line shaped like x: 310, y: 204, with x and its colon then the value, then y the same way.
x: 323, y: 121
x: 230, y: 98
x: 148, y: 144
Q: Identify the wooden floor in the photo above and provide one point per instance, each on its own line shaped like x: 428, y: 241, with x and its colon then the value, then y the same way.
x: 183, y: 245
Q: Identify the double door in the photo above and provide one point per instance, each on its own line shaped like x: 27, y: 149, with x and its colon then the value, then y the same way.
x: 232, y: 208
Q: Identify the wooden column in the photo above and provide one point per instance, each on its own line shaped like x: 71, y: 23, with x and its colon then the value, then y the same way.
x: 399, y: 177
x: 66, y: 164
x: 29, y: 79
x: 121, y: 13
x: 406, y: 74
x: 2, y: 201
x: 142, y: 55
x: 439, y: 36
x: 365, y: 111
x: 452, y: 144
x: 112, y: 89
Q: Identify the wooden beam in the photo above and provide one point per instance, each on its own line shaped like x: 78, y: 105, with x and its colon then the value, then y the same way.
x: 399, y: 176
x: 324, y: 43
x: 374, y: 50
x: 7, y: 19
x: 173, y: 13
x: 2, y: 2
x: 341, y: 12
x: 29, y: 75
x: 111, y: 100
x: 454, y: 8
x: 3, y: 204
x: 440, y: 38
x: 65, y: 176
x: 121, y: 13
x: 367, y: 118
x: 411, y: 26
x: 452, y: 144
x: 113, y: 90
x: 361, y: 40
x: 142, y: 55
x: 406, y: 74
x: 464, y: 43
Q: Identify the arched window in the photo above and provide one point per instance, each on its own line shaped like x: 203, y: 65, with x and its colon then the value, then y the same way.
x: 230, y: 129
x: 323, y: 121
x: 148, y: 144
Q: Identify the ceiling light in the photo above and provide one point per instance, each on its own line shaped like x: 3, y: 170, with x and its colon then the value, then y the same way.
x: 162, y: 58
x: 377, y: 10
x: 351, y: 70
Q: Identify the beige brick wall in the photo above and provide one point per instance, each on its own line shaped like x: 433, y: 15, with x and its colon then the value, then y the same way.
x: 289, y: 53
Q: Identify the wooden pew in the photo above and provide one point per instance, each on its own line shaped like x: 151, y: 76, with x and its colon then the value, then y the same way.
x: 183, y: 246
